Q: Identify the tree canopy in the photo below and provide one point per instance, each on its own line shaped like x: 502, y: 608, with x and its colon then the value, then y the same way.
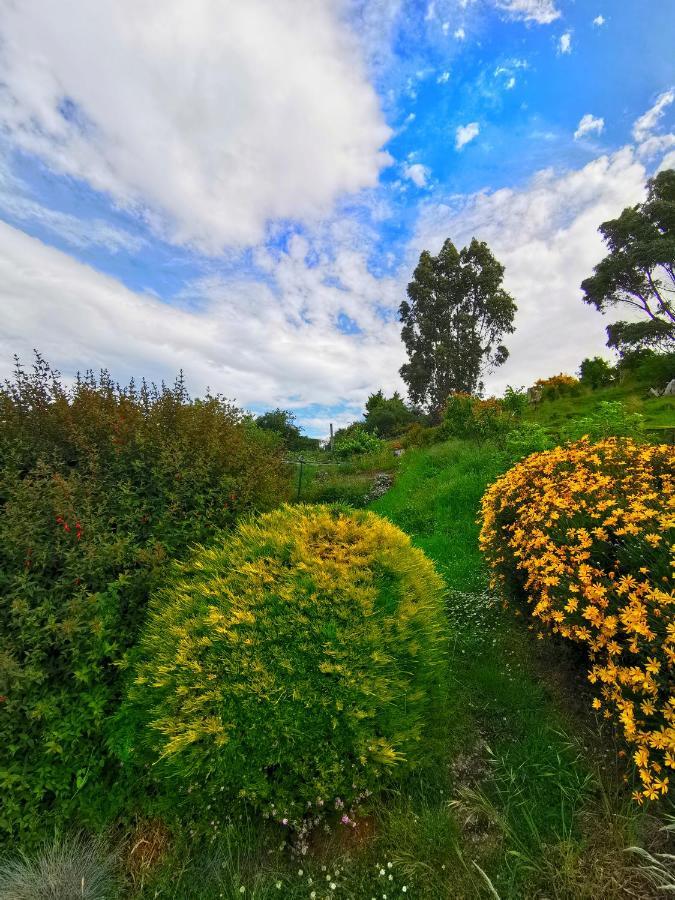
x: 638, y: 273
x: 453, y: 322
x: 388, y: 416
x: 282, y: 422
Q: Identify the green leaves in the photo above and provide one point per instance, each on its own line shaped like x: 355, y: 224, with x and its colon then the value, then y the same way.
x: 290, y: 662
x: 639, y: 270
x: 100, y: 487
x: 453, y: 322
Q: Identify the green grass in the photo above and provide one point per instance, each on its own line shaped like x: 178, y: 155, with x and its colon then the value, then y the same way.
x: 520, y: 797
x: 659, y: 412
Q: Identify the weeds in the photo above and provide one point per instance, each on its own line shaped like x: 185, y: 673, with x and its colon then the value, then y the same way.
x: 68, y: 868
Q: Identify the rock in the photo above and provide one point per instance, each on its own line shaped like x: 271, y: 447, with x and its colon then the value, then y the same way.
x: 381, y: 484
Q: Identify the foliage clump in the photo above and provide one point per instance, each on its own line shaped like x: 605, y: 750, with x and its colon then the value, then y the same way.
x: 556, y: 386
x: 595, y: 372
x: 453, y: 322
x: 611, y: 418
x: 100, y: 485
x: 584, y: 535
x: 355, y: 440
x: 292, y: 664
x: 638, y: 273
x: 471, y: 417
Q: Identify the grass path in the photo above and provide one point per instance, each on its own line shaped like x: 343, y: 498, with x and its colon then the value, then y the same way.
x: 536, y: 796
x: 520, y: 797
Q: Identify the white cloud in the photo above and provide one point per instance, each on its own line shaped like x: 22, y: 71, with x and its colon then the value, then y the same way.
x: 443, y: 78
x: 208, y: 119
x: 588, y: 124
x: 543, y: 12
x: 277, y: 345
x: 656, y: 144
x: 417, y: 173
x: 511, y: 83
x: 460, y: 34
x: 599, y: 20
x: 565, y: 43
x: 466, y: 133
x: 648, y: 122
x: 546, y: 236
x: 445, y: 27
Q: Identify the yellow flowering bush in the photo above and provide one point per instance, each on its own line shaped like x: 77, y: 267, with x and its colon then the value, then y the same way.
x: 292, y: 664
x: 583, y: 533
x: 561, y: 385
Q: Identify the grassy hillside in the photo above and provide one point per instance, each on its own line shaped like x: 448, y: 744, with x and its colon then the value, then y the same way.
x: 522, y: 794
x: 659, y: 412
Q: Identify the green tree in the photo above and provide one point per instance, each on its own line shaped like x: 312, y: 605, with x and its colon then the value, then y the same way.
x: 282, y: 422
x: 453, y: 321
x: 639, y: 270
x: 387, y: 416
x: 595, y: 372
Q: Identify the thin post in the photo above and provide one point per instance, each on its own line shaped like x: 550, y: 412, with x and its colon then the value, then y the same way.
x: 331, y: 437
x: 302, y: 462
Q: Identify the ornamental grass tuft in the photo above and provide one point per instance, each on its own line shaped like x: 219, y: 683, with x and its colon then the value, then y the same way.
x: 584, y: 534
x: 293, y: 664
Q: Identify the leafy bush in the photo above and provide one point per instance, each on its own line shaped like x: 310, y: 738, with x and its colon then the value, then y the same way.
x: 583, y: 534
x: 515, y: 401
x: 467, y: 416
x: 292, y: 663
x: 595, y: 372
x: 356, y: 440
x: 526, y: 438
x: 610, y: 419
x: 66, y: 869
x: 387, y: 416
x: 557, y: 386
x: 99, y: 487
x: 647, y: 367
x: 418, y: 435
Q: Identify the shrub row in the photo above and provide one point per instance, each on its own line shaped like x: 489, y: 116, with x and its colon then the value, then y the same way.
x: 99, y: 487
x: 583, y: 535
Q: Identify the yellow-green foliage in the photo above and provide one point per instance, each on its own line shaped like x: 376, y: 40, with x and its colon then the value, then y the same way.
x: 293, y: 662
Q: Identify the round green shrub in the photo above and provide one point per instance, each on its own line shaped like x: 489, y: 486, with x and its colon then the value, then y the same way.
x: 293, y: 663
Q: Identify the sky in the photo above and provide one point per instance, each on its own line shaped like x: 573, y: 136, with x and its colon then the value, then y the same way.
x: 242, y: 190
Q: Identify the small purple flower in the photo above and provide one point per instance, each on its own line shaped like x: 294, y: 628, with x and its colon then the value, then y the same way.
x: 346, y: 820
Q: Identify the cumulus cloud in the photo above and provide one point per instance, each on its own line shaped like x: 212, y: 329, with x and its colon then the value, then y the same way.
x: 598, y: 21
x: 417, y: 173
x: 649, y: 121
x: 466, y: 133
x: 460, y: 34
x: 274, y: 343
x: 546, y: 236
x: 565, y: 43
x: 543, y: 12
x: 209, y: 119
x: 589, y: 124
x: 443, y: 78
